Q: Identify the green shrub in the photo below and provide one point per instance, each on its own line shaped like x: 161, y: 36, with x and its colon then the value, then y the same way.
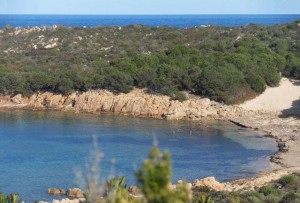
x: 256, y: 82
x: 272, y: 199
x: 286, y: 180
x: 204, y: 189
x: 118, y: 81
x: 204, y: 199
x: 250, y: 196
x: 267, y: 190
x: 154, y: 177
x: 11, y: 198
x: 290, y: 197
x: 220, y: 83
x: 178, y: 95
x: 117, y: 192
x: 116, y: 183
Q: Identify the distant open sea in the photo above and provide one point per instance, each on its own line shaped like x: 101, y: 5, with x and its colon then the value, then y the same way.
x: 147, y: 20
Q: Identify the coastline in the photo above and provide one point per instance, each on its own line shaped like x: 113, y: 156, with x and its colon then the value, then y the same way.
x: 285, y: 131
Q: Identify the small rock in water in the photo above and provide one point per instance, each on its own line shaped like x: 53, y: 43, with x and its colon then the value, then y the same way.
x: 75, y: 193
x: 55, y: 191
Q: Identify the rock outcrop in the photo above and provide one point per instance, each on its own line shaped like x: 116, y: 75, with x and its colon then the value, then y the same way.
x: 55, y: 191
x: 134, y: 190
x: 246, y: 184
x: 66, y: 200
x: 137, y: 103
x: 249, y: 184
x: 209, y: 182
x: 75, y: 193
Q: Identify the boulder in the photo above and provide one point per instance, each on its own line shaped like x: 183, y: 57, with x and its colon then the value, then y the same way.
x: 74, y: 193
x: 209, y: 182
x: 282, y: 147
x: 17, y: 99
x: 55, y: 191
x: 134, y: 190
x: 53, y: 101
x: 188, y: 185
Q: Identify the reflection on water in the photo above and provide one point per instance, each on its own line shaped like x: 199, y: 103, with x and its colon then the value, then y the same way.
x: 39, y: 150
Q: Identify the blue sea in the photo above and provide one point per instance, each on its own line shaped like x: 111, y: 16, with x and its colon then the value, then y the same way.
x: 147, y: 20
x: 40, y: 150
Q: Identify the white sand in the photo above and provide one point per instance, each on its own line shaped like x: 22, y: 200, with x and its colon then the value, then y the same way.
x: 276, y: 99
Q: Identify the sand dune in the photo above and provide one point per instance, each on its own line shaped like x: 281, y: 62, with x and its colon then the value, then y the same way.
x: 277, y: 99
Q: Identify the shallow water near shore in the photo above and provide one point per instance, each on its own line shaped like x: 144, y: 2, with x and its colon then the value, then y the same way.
x: 39, y: 150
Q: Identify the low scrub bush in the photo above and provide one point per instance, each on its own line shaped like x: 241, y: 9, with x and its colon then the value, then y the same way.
x: 286, y: 180
x: 11, y: 198
x: 267, y: 190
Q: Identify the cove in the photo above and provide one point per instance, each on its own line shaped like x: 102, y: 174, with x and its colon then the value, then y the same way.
x: 39, y: 150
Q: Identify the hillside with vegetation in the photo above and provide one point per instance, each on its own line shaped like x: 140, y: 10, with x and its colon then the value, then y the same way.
x: 228, y: 64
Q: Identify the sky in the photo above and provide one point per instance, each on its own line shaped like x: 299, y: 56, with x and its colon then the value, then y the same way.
x: 149, y: 7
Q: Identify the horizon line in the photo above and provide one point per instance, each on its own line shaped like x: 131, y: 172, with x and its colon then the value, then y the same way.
x: 140, y: 14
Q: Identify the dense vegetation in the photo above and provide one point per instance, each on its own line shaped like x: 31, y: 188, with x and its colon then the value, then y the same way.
x: 225, y: 64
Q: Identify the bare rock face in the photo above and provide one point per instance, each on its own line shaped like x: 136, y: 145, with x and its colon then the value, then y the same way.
x: 75, y: 193
x: 52, y: 101
x: 137, y: 103
x: 209, y: 182
x: 18, y: 99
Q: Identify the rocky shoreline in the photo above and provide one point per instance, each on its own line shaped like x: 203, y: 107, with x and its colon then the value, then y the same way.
x: 286, y: 131
x: 76, y: 195
x: 135, y: 103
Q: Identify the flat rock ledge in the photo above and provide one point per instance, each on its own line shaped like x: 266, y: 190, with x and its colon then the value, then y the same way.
x: 246, y: 184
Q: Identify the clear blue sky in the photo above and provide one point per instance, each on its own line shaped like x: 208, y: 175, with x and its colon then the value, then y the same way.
x: 149, y: 6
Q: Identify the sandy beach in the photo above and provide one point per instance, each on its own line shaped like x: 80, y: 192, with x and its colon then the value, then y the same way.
x: 276, y: 99
x: 277, y: 113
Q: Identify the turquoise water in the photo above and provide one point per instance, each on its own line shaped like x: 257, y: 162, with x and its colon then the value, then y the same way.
x: 39, y: 150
